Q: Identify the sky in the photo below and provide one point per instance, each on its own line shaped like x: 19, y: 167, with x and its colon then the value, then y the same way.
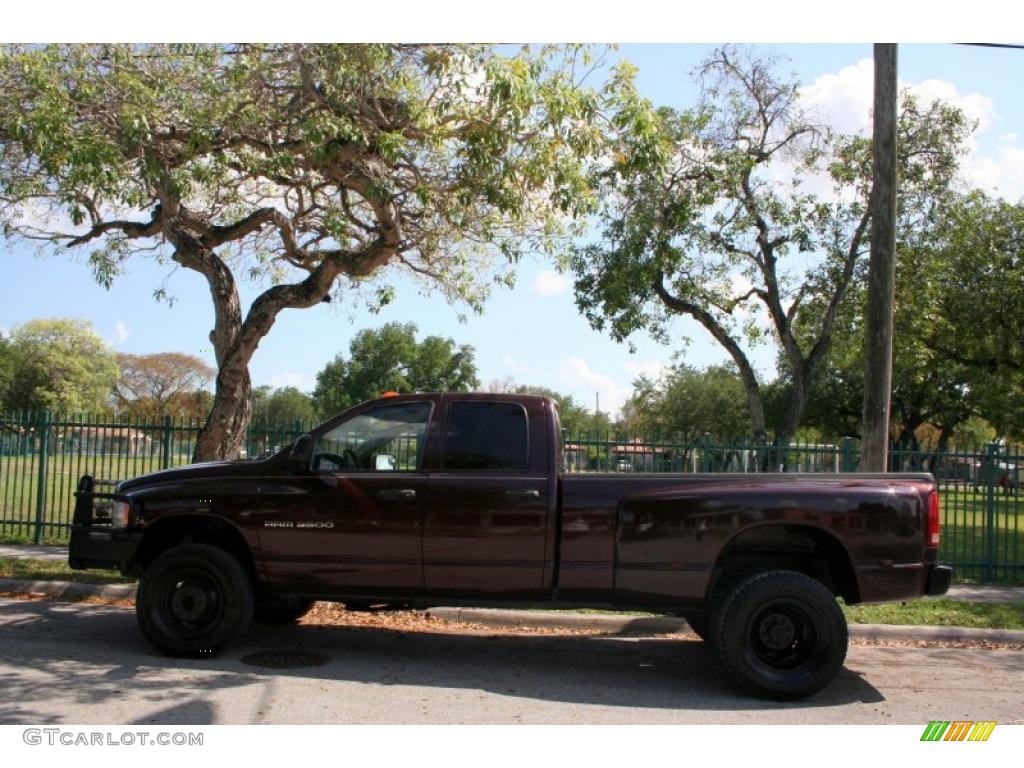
x: 532, y: 333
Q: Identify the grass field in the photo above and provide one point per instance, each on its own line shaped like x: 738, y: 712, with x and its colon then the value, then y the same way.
x: 19, y: 481
x: 55, y: 570
x: 943, y: 613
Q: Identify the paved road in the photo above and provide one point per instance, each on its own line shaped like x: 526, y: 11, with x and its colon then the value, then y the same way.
x: 87, y: 664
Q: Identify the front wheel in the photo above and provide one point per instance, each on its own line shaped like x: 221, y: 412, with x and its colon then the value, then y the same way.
x: 194, y: 600
x: 781, y: 634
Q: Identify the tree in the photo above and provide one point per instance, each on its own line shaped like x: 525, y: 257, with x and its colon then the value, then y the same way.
x: 282, y: 406
x: 161, y: 384
x: 8, y: 365
x: 689, y: 403
x: 955, y: 352
x: 574, y: 418
x: 306, y: 168
x: 62, y: 365
x: 698, y: 221
x: 390, y: 359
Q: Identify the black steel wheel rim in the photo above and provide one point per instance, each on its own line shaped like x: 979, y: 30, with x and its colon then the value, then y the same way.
x: 783, y: 636
x: 193, y: 602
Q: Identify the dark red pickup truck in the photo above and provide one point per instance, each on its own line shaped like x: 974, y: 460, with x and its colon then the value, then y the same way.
x: 457, y: 499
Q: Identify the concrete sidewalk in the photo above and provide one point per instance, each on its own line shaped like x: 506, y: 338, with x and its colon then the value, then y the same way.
x: 975, y: 593
x: 34, y: 552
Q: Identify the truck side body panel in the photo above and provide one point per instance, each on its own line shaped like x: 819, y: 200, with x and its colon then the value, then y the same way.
x: 432, y: 532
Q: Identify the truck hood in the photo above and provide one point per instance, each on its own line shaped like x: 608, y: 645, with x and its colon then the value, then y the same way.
x: 199, y: 471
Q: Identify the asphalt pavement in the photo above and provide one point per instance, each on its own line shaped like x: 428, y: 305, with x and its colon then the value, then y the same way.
x: 88, y: 664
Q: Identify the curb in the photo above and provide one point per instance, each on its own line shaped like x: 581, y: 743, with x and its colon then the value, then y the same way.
x: 612, y: 624
x: 73, y: 589
x: 659, y: 625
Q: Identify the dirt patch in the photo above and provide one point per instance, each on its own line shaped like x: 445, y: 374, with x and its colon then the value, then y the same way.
x: 335, y: 615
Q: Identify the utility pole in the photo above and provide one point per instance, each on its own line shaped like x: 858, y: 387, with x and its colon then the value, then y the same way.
x: 881, y: 269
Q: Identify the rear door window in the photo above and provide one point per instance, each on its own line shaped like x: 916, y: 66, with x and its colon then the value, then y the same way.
x: 486, y: 435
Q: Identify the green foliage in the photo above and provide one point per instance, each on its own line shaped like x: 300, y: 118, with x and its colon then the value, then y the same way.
x: 440, y: 152
x: 711, y: 213
x: 391, y: 359
x: 316, y: 171
x: 958, y: 315
x: 688, y: 403
x: 282, y: 406
x: 8, y: 367
x: 62, y: 365
x: 574, y: 417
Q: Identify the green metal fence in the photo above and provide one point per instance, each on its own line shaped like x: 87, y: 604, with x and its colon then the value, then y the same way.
x: 43, y: 455
x: 979, y: 488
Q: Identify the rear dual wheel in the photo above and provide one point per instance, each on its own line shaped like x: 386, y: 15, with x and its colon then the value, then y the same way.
x: 781, y: 634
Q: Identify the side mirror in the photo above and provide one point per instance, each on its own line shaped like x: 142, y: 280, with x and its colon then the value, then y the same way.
x: 302, y: 453
x: 384, y: 463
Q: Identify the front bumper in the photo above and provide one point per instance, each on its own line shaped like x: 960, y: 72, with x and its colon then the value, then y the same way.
x: 95, y: 542
x: 939, y: 579
x: 102, y: 548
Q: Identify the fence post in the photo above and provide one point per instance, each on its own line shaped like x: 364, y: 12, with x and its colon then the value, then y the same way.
x: 43, y: 422
x: 848, y: 463
x: 165, y: 445
x: 991, y: 482
x: 705, y: 453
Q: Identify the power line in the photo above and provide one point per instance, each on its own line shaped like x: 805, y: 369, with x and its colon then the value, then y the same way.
x: 995, y: 45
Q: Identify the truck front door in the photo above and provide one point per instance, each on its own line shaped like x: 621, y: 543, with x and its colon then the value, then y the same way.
x: 352, y: 525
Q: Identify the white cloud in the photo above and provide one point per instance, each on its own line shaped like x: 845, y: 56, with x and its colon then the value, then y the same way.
x: 550, y: 283
x: 844, y: 100
x: 1002, y: 173
x: 652, y: 369
x: 583, y: 382
x: 121, y: 332
x: 292, y: 379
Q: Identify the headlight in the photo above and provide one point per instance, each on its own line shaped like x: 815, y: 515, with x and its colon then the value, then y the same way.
x: 120, y: 514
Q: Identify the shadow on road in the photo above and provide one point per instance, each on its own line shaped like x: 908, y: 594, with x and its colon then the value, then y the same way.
x: 95, y: 654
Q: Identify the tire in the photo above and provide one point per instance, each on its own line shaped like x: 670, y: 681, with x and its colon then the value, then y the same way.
x: 282, y: 608
x: 781, y: 634
x: 194, y: 600
x: 699, y: 623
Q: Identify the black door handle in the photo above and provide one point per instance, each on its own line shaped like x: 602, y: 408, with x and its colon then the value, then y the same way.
x: 397, y: 494
x: 523, y: 494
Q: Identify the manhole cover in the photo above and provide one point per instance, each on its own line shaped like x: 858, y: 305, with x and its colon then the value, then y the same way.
x: 284, y: 659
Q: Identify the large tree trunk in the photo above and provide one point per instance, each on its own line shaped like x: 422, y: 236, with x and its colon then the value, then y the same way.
x: 234, y: 344
x: 795, y: 407
x: 223, y: 435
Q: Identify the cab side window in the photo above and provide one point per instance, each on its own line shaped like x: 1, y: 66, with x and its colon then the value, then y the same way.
x: 388, y: 438
x: 486, y: 435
